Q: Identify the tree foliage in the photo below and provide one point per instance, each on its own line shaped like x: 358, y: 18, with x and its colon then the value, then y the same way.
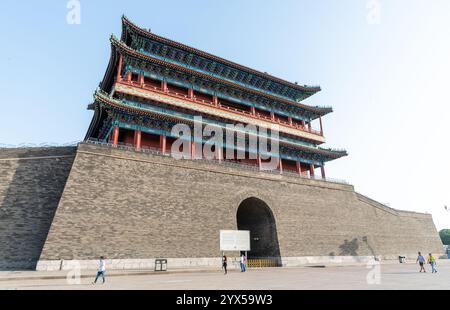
x: 445, y: 236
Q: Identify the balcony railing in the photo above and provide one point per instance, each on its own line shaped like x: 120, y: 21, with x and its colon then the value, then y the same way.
x: 222, y: 107
x: 223, y: 162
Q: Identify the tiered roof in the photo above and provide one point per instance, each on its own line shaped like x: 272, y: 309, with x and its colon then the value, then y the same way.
x: 153, y: 55
x: 142, y: 39
x: 107, y: 101
x: 238, y: 89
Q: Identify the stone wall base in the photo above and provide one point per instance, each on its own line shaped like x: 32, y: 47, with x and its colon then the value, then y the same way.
x: 130, y: 264
x: 204, y: 263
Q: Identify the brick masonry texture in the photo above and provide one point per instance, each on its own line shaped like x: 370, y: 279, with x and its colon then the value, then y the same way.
x: 131, y: 205
x: 31, y: 183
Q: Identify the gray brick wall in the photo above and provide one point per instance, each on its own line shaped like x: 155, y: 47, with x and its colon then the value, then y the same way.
x: 31, y: 184
x: 125, y: 204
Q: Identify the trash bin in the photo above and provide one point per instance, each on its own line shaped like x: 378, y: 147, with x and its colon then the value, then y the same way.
x: 401, y: 259
x: 161, y: 264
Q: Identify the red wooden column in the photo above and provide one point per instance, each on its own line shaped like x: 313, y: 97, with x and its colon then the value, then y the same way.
x: 129, y: 76
x: 322, y: 170
x: 192, y: 149
x: 290, y: 120
x: 119, y: 69
x: 253, y: 110
x: 321, y: 128
x: 215, y: 100
x: 191, y: 93
x: 115, y: 135
x: 164, y: 86
x: 303, y: 123
x: 272, y: 116
x: 311, y: 170
x: 141, y: 80
x: 280, y: 164
x: 299, y: 167
x: 162, y: 143
x: 137, y: 139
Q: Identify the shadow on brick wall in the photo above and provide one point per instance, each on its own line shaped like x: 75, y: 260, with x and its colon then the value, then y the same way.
x: 31, y: 188
x: 351, y: 248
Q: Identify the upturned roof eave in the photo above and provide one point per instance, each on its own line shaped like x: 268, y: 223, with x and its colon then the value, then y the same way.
x: 100, y: 96
x: 320, y: 111
x: 309, y: 90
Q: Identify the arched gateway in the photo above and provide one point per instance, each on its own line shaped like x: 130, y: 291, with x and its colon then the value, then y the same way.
x: 255, y: 215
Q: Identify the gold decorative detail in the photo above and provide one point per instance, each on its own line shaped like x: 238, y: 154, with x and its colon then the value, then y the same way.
x: 262, y: 262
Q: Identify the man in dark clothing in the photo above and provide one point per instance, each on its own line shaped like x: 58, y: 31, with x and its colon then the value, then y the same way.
x: 224, y: 263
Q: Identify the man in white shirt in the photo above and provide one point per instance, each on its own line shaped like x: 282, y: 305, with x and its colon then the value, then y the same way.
x: 101, y: 270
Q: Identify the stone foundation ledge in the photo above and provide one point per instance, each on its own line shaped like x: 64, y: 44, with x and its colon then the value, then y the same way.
x: 135, y: 264
x: 350, y: 260
x: 209, y: 263
x: 327, y: 261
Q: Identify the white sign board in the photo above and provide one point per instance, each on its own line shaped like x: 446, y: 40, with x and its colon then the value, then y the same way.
x: 235, y: 240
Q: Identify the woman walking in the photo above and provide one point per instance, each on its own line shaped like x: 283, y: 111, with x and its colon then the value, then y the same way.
x: 224, y: 263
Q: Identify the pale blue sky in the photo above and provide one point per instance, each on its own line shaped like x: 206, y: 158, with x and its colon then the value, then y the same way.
x: 388, y: 82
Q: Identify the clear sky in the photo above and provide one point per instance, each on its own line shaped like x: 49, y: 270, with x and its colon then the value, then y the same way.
x: 384, y: 66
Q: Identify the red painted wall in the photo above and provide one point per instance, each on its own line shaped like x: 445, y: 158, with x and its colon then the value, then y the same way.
x: 263, y: 113
x: 304, y: 167
x: 282, y: 118
x: 234, y: 105
x: 149, y: 140
x: 202, y: 96
x: 134, y: 77
x: 126, y: 136
x: 289, y: 165
x: 177, y: 89
x: 296, y: 122
x: 152, y: 82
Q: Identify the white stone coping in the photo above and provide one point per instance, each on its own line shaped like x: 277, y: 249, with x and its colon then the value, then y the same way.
x: 207, y: 262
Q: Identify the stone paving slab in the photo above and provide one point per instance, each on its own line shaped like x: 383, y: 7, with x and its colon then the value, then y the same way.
x: 52, y: 275
x: 390, y: 276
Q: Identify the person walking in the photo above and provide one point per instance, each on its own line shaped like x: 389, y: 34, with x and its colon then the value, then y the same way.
x: 101, y: 270
x: 432, y: 261
x: 421, y: 261
x: 224, y: 263
x: 243, y: 262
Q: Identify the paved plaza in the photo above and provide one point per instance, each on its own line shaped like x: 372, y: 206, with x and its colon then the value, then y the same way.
x: 391, y: 276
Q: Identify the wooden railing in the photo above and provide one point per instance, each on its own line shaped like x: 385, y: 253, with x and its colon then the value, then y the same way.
x: 223, y: 107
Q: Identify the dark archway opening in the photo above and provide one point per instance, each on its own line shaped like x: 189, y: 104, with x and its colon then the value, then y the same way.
x: 255, y: 215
